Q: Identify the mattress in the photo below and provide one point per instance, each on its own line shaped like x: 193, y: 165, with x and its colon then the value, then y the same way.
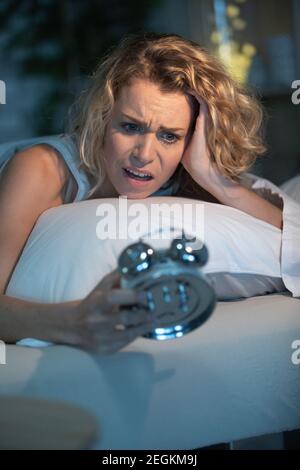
x: 232, y: 378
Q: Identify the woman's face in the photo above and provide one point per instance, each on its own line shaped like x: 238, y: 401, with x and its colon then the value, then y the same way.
x: 148, y: 133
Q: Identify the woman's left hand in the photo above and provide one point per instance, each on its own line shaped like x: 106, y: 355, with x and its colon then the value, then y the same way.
x: 196, y: 159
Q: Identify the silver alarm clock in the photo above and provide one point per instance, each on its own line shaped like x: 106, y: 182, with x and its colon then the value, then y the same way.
x: 177, y: 295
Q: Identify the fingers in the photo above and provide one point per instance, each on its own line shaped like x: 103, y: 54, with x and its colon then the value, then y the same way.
x: 137, y: 317
x: 109, y: 298
x: 111, y: 279
x: 129, y: 334
x: 117, y: 339
x: 122, y: 296
x: 200, y: 100
x: 110, y: 294
x: 133, y: 332
x: 117, y: 295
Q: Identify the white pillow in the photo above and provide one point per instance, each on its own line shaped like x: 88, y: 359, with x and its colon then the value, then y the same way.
x: 64, y: 258
x: 292, y: 188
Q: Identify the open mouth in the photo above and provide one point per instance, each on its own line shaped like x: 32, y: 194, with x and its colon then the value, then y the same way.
x: 136, y: 176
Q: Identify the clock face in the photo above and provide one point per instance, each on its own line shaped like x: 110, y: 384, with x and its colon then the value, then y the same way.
x: 177, y: 296
x: 178, y: 304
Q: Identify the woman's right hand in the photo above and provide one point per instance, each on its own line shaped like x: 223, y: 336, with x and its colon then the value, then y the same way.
x: 102, y: 323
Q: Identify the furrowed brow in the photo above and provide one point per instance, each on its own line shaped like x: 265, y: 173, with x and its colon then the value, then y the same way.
x: 144, y: 124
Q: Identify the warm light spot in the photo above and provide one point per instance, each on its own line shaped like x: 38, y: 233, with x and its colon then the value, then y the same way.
x: 249, y: 49
x: 225, y: 50
x: 232, y: 11
x: 236, y: 56
x: 215, y: 37
x: 239, y: 24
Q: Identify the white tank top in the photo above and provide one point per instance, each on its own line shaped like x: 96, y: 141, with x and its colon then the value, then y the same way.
x: 68, y: 150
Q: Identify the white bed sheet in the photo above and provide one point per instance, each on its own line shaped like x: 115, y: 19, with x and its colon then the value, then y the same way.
x: 230, y: 379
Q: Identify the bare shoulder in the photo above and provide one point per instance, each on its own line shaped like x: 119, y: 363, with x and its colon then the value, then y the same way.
x: 30, y: 183
x: 41, y: 166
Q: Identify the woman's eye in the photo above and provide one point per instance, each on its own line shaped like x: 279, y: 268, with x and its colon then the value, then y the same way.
x: 170, y: 138
x: 129, y: 127
x: 167, y: 137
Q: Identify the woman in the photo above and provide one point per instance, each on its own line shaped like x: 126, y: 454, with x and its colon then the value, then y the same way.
x: 161, y: 117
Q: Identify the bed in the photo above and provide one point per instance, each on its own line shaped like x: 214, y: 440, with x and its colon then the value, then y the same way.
x: 229, y: 380
x: 235, y: 378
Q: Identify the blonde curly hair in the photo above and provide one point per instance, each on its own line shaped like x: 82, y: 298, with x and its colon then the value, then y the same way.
x: 234, y: 136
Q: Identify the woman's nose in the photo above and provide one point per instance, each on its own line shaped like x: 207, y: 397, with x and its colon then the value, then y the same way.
x: 144, y: 151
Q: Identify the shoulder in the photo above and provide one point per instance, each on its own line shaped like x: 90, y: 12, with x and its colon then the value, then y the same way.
x: 37, y: 166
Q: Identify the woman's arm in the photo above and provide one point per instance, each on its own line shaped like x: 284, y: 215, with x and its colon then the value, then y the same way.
x: 92, y: 323
x: 23, y: 319
x: 32, y: 183
x: 235, y: 195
